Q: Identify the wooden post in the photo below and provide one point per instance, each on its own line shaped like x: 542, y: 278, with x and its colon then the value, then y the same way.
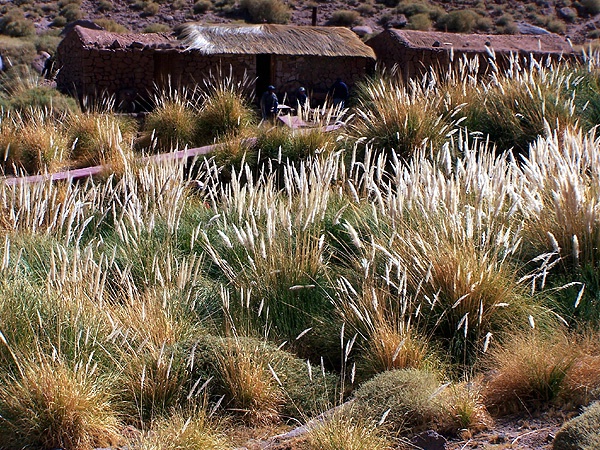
x: 314, y: 16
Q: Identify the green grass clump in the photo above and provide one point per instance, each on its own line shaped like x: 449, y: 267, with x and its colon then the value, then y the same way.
x: 266, y: 11
x: 459, y: 21
x: 345, y: 18
x: 172, y: 124
x: 580, y: 432
x: 15, y: 24
x: 405, y: 401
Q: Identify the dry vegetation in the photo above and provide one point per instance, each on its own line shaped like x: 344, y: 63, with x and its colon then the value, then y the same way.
x: 421, y: 273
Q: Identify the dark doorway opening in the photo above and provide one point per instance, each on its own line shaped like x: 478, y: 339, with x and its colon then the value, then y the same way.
x: 264, y: 73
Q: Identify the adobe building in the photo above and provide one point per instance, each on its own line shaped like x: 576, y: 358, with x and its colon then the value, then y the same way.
x: 414, y: 52
x: 93, y: 62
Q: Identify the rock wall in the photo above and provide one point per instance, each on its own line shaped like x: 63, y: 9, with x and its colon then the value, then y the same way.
x: 317, y: 74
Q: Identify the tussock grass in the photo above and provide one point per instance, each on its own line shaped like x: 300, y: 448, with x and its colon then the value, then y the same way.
x: 49, y: 405
x: 347, y: 433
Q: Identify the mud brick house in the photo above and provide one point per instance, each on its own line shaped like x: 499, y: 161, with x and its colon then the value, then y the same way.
x: 414, y: 52
x: 92, y: 62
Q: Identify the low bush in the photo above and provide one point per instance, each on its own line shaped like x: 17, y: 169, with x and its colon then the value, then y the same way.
x: 592, y: 7
x: 461, y: 21
x: 150, y: 9
x: 104, y: 6
x: 266, y: 11
x: 71, y: 12
x: 580, y: 432
x: 111, y: 25
x: 344, y: 18
x: 202, y: 6
x: 420, y: 22
x: 15, y: 52
x: 406, y: 401
x: 157, y: 28
x: 15, y: 24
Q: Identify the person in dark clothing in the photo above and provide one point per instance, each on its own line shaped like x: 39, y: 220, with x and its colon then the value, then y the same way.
x: 302, y: 97
x: 339, y: 93
x: 269, y: 103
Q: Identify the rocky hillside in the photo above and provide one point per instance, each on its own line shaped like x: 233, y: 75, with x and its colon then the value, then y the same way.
x: 580, y: 20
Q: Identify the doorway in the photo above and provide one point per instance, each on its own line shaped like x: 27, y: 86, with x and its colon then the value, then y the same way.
x: 264, y: 73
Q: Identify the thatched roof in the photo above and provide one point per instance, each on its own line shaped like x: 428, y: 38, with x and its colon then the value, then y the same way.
x: 105, y: 39
x: 479, y: 43
x: 274, y: 39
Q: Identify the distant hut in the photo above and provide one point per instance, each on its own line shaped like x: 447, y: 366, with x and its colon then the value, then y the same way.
x: 414, y: 52
x: 93, y: 62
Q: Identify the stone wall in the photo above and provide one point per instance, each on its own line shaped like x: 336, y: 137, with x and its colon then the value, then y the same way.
x: 317, y: 73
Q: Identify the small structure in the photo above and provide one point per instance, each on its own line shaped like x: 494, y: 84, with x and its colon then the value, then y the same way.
x: 414, y: 52
x: 94, y: 62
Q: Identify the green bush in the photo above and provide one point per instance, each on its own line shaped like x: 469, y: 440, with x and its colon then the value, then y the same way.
x: 583, y: 432
x: 344, y: 18
x: 411, y: 9
x: 157, y: 28
x: 15, y: 52
x: 15, y: 24
x: 150, y: 9
x: 71, y: 12
x: 104, y: 6
x: 462, y: 21
x: 556, y: 26
x: 591, y: 6
x: 420, y: 22
x: 408, y: 400
x: 266, y: 11
x: 202, y: 6
x: 111, y: 25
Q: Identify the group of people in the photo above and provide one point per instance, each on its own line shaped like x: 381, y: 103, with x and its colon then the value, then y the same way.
x: 269, y: 104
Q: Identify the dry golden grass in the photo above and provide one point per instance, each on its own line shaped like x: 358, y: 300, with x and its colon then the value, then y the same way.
x: 51, y: 405
x: 346, y: 433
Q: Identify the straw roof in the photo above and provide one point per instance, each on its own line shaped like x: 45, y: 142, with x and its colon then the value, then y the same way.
x: 105, y: 39
x: 274, y: 39
x: 546, y: 43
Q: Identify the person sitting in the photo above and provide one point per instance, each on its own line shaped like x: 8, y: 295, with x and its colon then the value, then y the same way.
x: 339, y: 93
x: 269, y: 104
x: 302, y: 97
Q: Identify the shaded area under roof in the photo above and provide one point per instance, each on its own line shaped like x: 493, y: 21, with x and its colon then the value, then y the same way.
x: 274, y: 39
x: 503, y: 43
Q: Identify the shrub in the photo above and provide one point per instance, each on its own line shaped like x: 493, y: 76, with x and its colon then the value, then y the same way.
x: 411, y: 9
x: 420, y: 22
x: 157, y: 28
x: 104, y: 6
x: 111, y: 25
x: 266, y: 11
x: 462, y: 21
x: 51, y: 405
x: 484, y: 24
x: 71, y: 12
x: 150, y: 9
x: 580, y: 432
x: 405, y: 400
x: 591, y: 6
x: 556, y: 26
x: 344, y: 18
x: 366, y: 9
x: 202, y: 6
x: 389, y: 3
x: 15, y: 24
x: 59, y: 22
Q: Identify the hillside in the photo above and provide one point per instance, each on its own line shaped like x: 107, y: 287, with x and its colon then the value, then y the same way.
x: 579, y: 20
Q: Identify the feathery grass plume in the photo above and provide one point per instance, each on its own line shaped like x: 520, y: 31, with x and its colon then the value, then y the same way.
x: 514, y: 108
x: 33, y: 142
x: 52, y: 404
x: 347, y: 433
x: 382, y: 312
x: 173, y: 123
x: 528, y: 370
x: 184, y: 431
x: 560, y: 179
x: 226, y: 106
x: 269, y: 243
x: 99, y: 138
x: 400, y: 117
x: 452, y: 229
